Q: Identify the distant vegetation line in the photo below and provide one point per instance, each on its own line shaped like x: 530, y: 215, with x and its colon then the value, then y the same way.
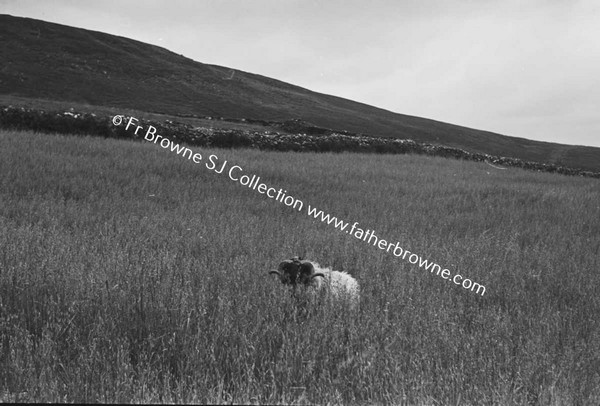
x: 297, y: 136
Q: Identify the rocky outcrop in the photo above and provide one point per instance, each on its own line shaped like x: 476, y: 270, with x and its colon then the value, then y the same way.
x: 295, y: 135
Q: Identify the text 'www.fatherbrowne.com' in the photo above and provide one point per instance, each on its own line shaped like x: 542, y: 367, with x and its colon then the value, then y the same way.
x: 236, y: 174
x: 369, y: 237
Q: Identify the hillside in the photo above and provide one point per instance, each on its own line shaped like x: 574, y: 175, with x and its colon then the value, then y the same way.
x: 56, y: 62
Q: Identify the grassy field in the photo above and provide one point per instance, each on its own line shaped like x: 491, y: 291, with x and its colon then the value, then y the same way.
x: 129, y: 274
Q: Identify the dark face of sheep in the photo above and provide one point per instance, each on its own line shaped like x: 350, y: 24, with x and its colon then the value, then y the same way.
x: 296, y: 272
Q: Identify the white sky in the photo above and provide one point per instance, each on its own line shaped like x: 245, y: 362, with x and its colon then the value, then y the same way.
x: 522, y: 68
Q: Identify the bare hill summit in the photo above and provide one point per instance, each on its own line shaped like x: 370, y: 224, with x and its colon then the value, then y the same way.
x: 50, y: 61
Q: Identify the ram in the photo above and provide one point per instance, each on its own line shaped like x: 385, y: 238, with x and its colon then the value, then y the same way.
x: 309, y: 275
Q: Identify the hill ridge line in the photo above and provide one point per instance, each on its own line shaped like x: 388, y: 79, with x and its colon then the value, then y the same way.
x: 57, y: 62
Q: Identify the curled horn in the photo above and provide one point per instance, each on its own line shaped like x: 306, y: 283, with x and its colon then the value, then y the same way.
x: 280, y: 268
x: 317, y: 274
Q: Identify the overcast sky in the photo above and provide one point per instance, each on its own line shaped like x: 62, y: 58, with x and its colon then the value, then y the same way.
x: 522, y: 68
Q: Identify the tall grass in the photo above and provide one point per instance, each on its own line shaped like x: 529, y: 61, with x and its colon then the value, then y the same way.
x: 129, y: 274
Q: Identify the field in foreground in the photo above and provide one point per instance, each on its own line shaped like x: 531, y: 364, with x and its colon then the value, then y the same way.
x: 129, y: 274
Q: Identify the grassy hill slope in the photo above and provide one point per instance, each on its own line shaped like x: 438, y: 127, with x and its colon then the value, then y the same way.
x: 56, y: 62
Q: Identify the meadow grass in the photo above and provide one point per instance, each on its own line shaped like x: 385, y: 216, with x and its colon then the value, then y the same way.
x: 129, y: 274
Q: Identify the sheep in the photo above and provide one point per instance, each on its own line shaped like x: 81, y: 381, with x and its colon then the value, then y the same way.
x: 310, y: 275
